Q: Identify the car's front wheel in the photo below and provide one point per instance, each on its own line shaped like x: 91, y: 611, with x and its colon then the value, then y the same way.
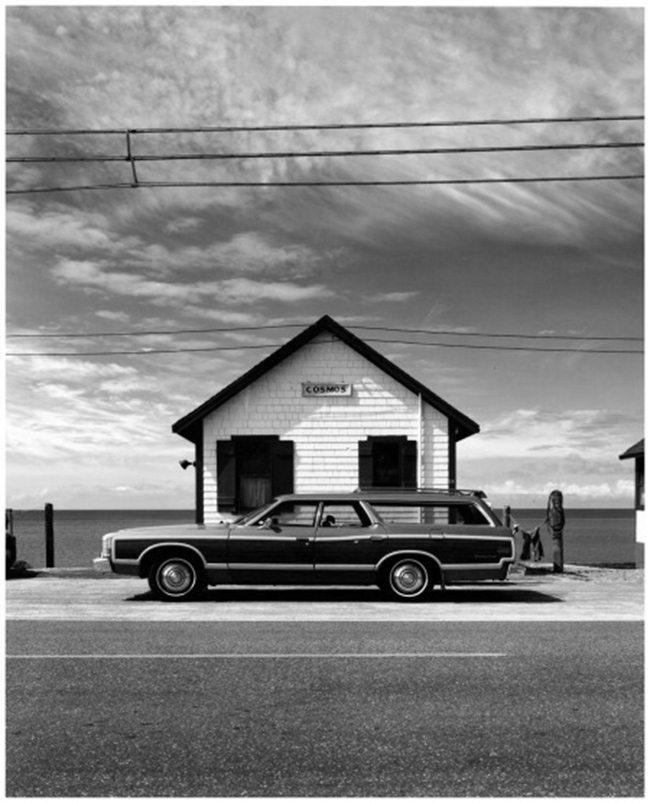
x: 408, y: 580
x: 175, y: 578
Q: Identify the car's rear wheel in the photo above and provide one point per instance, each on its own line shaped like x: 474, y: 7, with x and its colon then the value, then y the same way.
x: 408, y: 579
x: 175, y: 578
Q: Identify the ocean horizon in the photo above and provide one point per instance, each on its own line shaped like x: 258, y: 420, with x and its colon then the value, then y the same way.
x: 592, y: 536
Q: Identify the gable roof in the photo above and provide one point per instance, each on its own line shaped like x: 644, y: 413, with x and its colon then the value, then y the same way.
x: 637, y: 450
x: 190, y: 425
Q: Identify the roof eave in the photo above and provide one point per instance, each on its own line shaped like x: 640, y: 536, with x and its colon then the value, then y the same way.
x: 638, y: 450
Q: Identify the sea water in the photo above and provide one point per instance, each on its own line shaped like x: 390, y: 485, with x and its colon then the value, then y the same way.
x: 591, y: 537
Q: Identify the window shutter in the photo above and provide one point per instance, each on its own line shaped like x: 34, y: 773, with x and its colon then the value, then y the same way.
x: 409, y: 464
x: 282, y: 474
x: 365, y: 463
x: 226, y: 475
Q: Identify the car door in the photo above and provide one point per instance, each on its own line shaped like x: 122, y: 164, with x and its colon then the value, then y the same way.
x: 348, y: 544
x: 276, y: 549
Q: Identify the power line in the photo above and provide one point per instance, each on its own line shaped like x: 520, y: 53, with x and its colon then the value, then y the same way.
x: 491, y: 334
x: 147, y: 352
x: 131, y: 157
x: 234, y: 329
x: 324, y: 126
x: 143, y: 332
x: 351, y: 183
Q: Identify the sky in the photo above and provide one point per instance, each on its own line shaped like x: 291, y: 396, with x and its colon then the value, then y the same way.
x: 560, y: 261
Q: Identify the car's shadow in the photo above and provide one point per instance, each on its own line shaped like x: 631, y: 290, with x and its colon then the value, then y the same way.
x: 497, y: 593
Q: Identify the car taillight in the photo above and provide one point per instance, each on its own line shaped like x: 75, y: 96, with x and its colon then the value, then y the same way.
x: 106, y: 545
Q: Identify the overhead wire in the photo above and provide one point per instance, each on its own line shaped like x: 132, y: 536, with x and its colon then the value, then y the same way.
x: 132, y: 158
x: 147, y: 352
x: 261, y: 327
x: 380, y: 183
x: 328, y: 126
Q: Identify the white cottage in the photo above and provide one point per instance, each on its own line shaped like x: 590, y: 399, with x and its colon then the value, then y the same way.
x: 325, y: 412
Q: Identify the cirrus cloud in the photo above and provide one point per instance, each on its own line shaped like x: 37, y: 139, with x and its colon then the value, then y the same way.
x: 93, y: 277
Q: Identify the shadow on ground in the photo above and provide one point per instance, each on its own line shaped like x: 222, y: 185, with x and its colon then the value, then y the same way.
x: 496, y: 594
x: 20, y: 570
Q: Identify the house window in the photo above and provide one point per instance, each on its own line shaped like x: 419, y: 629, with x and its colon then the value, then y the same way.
x: 387, y: 462
x: 251, y: 470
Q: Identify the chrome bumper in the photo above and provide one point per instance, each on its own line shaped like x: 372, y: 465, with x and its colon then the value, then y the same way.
x: 102, y: 565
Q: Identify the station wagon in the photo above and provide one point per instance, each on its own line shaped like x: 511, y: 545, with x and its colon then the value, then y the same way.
x: 405, y: 542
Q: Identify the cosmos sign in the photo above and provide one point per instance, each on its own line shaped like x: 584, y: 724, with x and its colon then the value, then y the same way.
x: 318, y: 389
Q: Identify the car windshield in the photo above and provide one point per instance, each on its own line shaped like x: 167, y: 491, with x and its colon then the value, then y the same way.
x: 248, y: 517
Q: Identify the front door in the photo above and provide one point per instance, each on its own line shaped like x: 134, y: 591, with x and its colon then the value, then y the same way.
x: 348, y: 544
x: 276, y: 549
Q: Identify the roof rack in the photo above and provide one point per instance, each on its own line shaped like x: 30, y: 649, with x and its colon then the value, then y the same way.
x: 450, y: 491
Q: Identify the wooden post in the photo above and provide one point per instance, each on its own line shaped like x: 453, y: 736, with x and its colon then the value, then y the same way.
x: 49, y: 536
x: 558, y: 552
x: 555, y: 520
x: 10, y: 539
x: 506, y: 516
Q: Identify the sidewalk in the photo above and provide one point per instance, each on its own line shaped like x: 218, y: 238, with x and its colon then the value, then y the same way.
x: 581, y: 593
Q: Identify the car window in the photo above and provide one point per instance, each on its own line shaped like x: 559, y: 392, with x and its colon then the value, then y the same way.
x: 295, y: 514
x: 467, y: 514
x: 342, y: 514
x: 434, y: 513
x: 253, y: 517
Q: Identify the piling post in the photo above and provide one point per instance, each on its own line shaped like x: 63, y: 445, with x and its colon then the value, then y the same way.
x: 507, y: 516
x: 555, y: 522
x: 49, y: 536
x: 10, y: 539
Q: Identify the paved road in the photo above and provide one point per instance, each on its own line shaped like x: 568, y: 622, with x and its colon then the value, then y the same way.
x: 340, y: 708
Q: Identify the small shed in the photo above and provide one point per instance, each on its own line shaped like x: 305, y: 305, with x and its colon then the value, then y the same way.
x: 325, y: 412
x: 637, y: 453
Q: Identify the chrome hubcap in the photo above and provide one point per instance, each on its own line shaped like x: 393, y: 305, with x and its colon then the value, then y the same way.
x: 409, y: 578
x: 176, y: 578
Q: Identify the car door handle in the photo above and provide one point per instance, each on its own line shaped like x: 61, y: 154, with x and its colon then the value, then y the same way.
x: 303, y: 539
x: 378, y: 537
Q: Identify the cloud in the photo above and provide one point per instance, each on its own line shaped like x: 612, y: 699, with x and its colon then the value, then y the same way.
x: 92, y: 277
x: 183, y: 224
x: 603, y: 492
x: 544, y: 434
x: 113, y: 315
x: 250, y: 251
x: 54, y: 229
x: 74, y: 370
x: 87, y: 427
x: 390, y: 297
x: 74, y: 230
x: 244, y: 252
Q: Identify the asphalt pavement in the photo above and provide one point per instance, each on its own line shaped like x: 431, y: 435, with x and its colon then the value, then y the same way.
x: 326, y: 709
x: 527, y: 688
